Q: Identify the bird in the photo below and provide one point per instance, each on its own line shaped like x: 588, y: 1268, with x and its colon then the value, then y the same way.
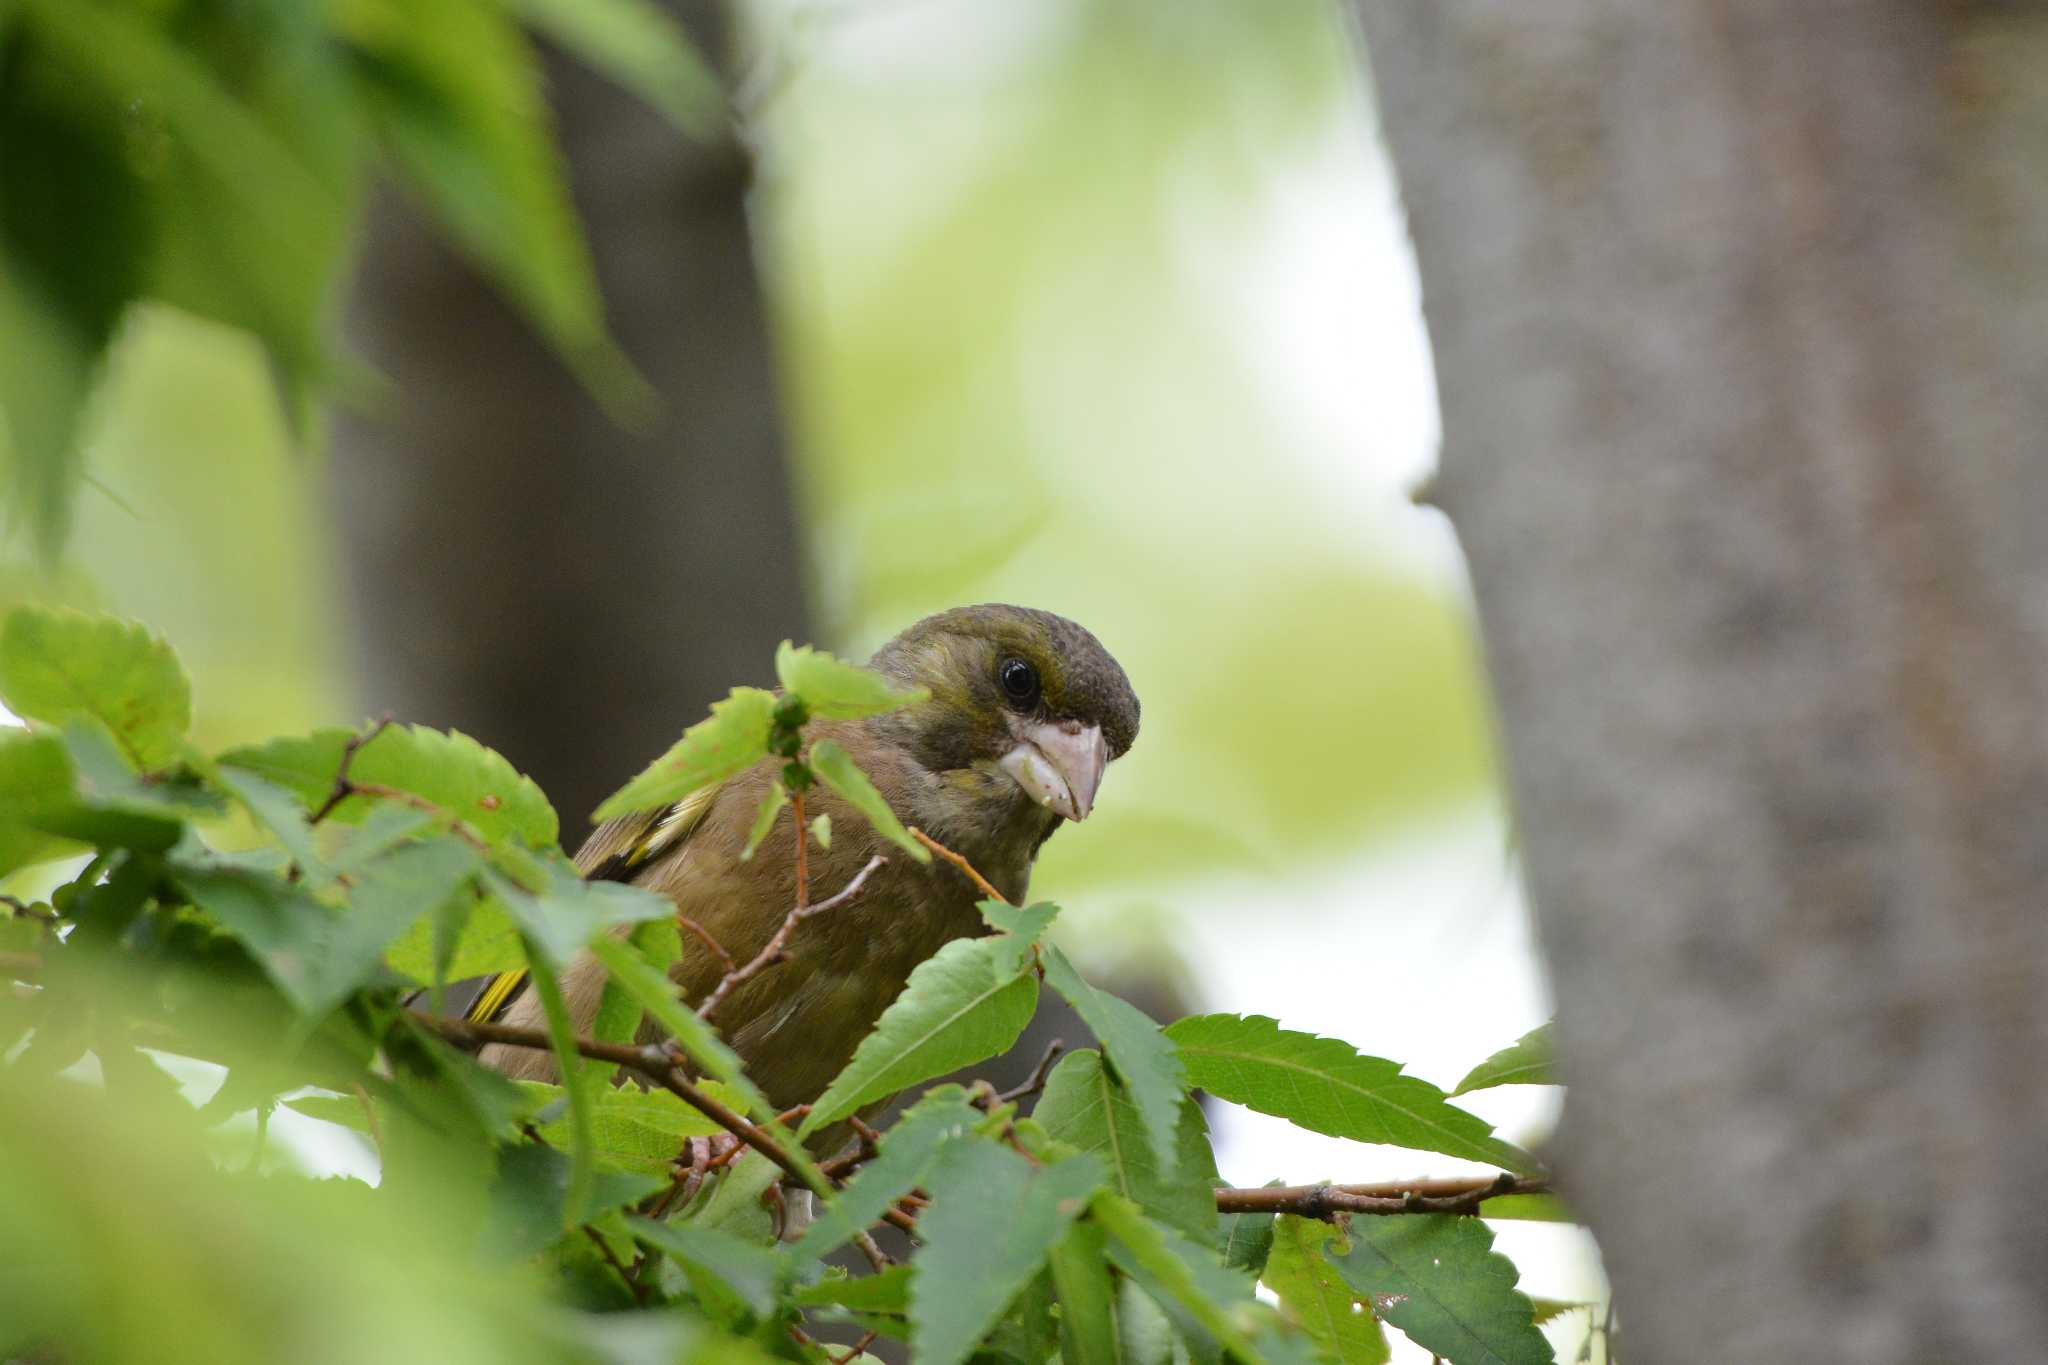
x: 1022, y: 712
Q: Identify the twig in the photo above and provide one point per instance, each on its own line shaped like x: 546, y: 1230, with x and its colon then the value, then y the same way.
x: 638, y: 1290
x: 856, y: 1348
x: 457, y: 826
x: 343, y: 788
x: 1400, y: 1196
x: 704, y: 937
x: 956, y: 860
x: 803, y: 848
x: 773, y: 952
x: 652, y: 1061
x: 1035, y: 1082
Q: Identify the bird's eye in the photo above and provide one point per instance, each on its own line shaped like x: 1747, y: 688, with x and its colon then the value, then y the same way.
x: 1020, y: 683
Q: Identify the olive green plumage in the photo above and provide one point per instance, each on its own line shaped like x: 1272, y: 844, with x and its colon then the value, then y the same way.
x: 1025, y: 709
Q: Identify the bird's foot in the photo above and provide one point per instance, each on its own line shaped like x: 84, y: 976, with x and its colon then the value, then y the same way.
x: 700, y: 1157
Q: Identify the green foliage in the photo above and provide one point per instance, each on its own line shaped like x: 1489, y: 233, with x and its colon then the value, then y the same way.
x: 836, y: 769
x: 733, y: 737
x: 1439, y: 1280
x: 217, y: 161
x: 1529, y: 1060
x: 568, y: 1222
x: 1326, y: 1086
x: 836, y: 689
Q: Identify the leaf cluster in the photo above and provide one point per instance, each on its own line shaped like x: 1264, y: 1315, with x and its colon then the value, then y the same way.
x: 283, y: 916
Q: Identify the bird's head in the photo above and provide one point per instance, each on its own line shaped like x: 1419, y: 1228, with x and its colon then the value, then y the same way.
x: 1018, y: 697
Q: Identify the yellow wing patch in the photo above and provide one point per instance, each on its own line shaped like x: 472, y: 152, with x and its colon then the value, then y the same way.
x: 615, y: 851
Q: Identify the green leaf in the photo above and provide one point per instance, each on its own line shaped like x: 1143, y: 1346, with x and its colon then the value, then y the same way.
x: 279, y: 812
x: 992, y: 1220
x: 483, y: 941
x: 387, y: 897
x: 37, y: 784
x: 1028, y: 923
x: 750, y: 1275
x: 772, y: 802
x: 58, y: 666
x: 634, y: 1129
x: 1529, y: 1060
x: 1326, y: 1086
x: 582, y: 1088
x: 1245, y: 1240
x: 903, y: 1156
x: 530, y: 1201
x: 1087, y: 1295
x: 1438, y: 1279
x: 562, y: 916
x: 454, y: 91
x: 731, y: 739
x: 887, y: 1291
x: 837, y: 771
x: 1146, y: 1064
x: 1084, y: 1107
x: 450, y: 771
x: 1528, y: 1208
x: 282, y: 925
x: 639, y: 46
x: 836, y: 689
x: 963, y: 1005
x: 1218, y: 1299
x: 1314, y: 1295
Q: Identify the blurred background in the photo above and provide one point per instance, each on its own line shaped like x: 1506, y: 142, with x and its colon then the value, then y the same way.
x: 1106, y: 308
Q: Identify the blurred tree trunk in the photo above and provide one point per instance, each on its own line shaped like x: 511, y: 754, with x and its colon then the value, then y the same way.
x: 571, y: 593
x: 1740, y: 314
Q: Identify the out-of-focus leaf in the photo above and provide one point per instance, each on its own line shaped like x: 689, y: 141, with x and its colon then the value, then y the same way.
x: 455, y: 93
x: 1245, y: 1240
x: 59, y: 666
x: 384, y: 900
x: 963, y: 1005
x: 1146, y: 1064
x: 836, y: 769
x: 485, y: 941
x: 582, y: 1088
x: 463, y: 778
x: 279, y: 812
x: 638, y: 45
x: 905, y: 1153
x: 1028, y: 923
x: 731, y: 739
x: 772, y: 802
x: 885, y: 1292
x: 282, y: 925
x: 564, y: 914
x: 1529, y: 1060
x: 635, y: 1129
x: 1438, y: 1279
x: 1220, y: 1300
x: 992, y: 1220
x: 832, y: 687
x: 1326, y: 1086
x: 530, y: 1201
x: 749, y: 1274
x: 1087, y: 1295
x: 1084, y: 1107
x: 1529, y: 1208
x: 1313, y: 1294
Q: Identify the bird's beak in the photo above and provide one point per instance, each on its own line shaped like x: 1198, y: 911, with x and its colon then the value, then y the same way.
x: 1059, y: 766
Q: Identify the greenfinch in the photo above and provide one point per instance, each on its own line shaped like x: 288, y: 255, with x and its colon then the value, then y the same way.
x: 1023, y: 712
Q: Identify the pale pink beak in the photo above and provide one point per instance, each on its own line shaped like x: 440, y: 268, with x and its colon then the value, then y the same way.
x: 1059, y: 765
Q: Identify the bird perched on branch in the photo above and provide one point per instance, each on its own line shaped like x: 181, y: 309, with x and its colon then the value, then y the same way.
x: 1024, y: 710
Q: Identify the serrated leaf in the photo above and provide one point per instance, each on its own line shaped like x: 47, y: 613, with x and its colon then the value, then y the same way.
x: 580, y: 1085
x: 904, y: 1155
x: 640, y: 47
x: 1027, y: 922
x: 1087, y: 1298
x: 449, y: 770
x: 1438, y: 1279
x: 1245, y: 1240
x: 57, y: 666
x: 963, y: 1005
x: 837, y: 770
x: 284, y: 928
x: 278, y: 811
x: 530, y: 1198
x: 732, y: 738
x: 1085, y: 1107
x: 1177, y: 1270
x: 833, y: 688
x: 1315, y: 1296
x: 1145, y: 1062
x: 565, y: 913
x: 886, y: 1291
x: 1326, y: 1086
x: 484, y: 942
x: 1529, y: 1060
x: 750, y: 1275
x: 634, y: 1129
x: 992, y: 1220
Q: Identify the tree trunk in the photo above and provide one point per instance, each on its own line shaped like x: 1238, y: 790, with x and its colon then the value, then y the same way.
x: 571, y: 593
x: 1740, y: 315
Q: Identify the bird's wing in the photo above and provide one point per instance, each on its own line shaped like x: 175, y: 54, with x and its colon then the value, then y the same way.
x: 616, y: 851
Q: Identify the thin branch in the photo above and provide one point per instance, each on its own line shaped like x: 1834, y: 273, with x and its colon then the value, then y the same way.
x: 1398, y: 1196
x: 638, y: 1290
x: 652, y: 1061
x: 956, y: 860
x: 1035, y: 1082
x: 343, y: 788
x: 704, y: 937
x: 803, y: 849
x: 774, y: 951
x: 857, y: 1347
